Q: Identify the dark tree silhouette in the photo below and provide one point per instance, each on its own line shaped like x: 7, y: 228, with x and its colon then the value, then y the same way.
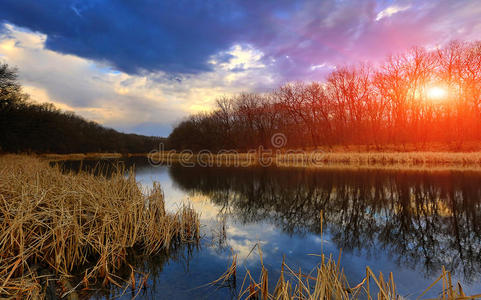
x: 41, y: 128
x: 388, y: 105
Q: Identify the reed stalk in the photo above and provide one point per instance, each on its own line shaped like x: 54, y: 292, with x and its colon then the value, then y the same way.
x: 53, y: 224
x: 328, y: 281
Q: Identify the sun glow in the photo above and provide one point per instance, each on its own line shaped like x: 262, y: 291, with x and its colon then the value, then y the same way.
x: 437, y: 93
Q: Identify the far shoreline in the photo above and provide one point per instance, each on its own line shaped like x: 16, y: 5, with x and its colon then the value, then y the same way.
x: 393, y: 160
x: 329, y: 160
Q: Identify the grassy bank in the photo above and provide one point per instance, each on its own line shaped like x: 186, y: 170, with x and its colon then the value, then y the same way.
x: 338, y: 158
x: 54, y: 225
x: 79, y: 156
x: 319, y: 159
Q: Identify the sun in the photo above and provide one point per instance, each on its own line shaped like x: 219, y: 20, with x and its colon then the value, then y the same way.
x: 436, y: 93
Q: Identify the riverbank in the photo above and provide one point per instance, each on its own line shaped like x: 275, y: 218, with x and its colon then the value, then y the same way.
x: 346, y: 158
x: 55, y: 227
x: 80, y: 156
x: 321, y: 159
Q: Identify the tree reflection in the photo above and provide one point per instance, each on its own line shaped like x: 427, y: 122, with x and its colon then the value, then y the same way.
x: 420, y: 218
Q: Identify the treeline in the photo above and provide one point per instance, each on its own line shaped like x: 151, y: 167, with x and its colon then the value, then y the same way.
x: 41, y: 128
x: 419, y: 97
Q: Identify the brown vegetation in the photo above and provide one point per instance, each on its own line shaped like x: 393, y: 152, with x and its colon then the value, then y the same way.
x: 90, y: 155
x: 53, y: 224
x: 320, y: 159
x: 327, y: 281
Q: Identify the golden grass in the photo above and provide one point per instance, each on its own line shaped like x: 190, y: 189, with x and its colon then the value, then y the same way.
x: 374, y: 160
x: 327, y: 281
x: 79, y: 156
x: 390, y: 160
x: 53, y: 224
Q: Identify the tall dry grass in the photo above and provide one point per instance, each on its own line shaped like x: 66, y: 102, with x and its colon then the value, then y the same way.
x: 385, y: 158
x: 299, y: 158
x: 53, y: 224
x: 328, y: 281
x: 90, y: 155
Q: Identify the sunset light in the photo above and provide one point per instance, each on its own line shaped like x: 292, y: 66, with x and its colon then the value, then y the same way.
x: 207, y: 149
x: 437, y: 93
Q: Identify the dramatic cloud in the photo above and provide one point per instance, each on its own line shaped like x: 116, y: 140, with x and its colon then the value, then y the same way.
x: 141, y: 65
x: 133, y: 36
x: 148, y: 104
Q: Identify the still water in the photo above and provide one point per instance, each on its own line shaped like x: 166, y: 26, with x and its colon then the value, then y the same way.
x: 408, y: 223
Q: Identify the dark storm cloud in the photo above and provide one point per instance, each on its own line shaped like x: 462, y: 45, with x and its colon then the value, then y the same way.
x: 174, y: 36
x: 171, y: 36
x: 179, y: 37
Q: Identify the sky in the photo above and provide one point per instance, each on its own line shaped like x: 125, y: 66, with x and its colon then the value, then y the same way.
x: 142, y: 66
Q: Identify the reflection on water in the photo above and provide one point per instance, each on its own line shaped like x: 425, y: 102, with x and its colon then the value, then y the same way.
x: 411, y: 223
x: 419, y: 218
x: 145, y: 266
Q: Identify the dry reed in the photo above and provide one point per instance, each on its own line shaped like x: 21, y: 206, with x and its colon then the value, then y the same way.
x: 93, y: 155
x: 53, y: 224
x: 327, y: 281
x: 376, y: 160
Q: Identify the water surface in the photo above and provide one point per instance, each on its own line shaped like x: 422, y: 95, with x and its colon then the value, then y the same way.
x: 408, y: 223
